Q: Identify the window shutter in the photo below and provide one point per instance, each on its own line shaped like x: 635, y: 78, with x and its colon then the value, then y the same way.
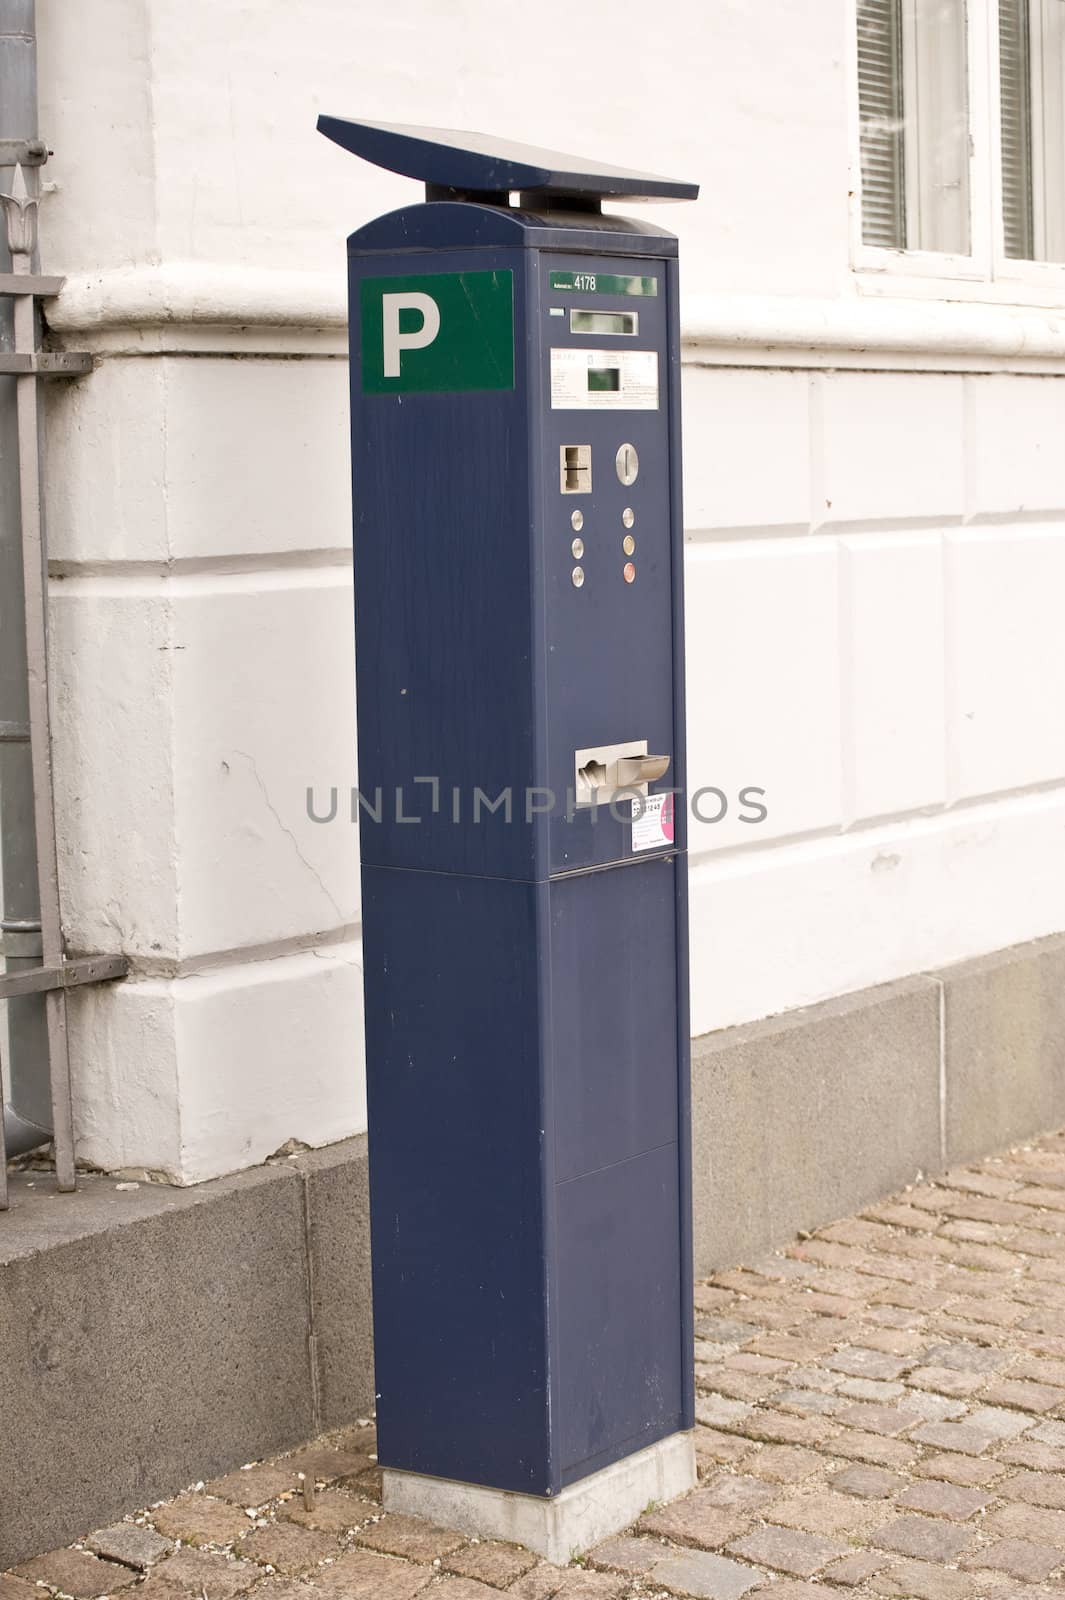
x: 1016, y: 81
x: 880, y: 105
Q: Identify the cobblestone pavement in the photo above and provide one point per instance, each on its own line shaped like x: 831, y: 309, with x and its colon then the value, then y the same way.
x: 881, y: 1412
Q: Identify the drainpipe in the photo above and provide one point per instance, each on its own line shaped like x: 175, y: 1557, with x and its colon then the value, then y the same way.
x: 27, y: 1097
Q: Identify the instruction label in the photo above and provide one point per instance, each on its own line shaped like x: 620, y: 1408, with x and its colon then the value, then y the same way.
x: 604, y: 380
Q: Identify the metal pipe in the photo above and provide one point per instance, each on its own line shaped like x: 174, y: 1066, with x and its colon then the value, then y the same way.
x: 27, y: 1112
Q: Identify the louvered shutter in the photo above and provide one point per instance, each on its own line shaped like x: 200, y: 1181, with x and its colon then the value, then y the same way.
x: 1015, y: 75
x: 880, y: 104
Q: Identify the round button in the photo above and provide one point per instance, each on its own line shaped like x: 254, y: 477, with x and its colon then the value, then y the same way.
x: 628, y: 544
x: 627, y: 463
x: 629, y: 572
x: 578, y: 577
x: 628, y: 516
x: 578, y: 549
x: 576, y: 521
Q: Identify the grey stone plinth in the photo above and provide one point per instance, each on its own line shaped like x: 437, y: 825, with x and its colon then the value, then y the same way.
x: 806, y: 1117
x: 564, y: 1525
x: 1004, y: 1033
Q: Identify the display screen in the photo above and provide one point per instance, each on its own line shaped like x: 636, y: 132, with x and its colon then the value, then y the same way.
x: 604, y: 321
x: 600, y: 378
x: 602, y: 283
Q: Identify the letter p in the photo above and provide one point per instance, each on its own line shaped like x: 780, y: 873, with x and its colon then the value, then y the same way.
x: 393, y: 343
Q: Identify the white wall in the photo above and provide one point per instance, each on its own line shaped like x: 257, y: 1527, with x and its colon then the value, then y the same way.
x: 875, y: 554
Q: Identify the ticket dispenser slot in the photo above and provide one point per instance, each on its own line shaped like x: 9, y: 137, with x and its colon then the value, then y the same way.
x: 515, y: 393
x: 575, y: 468
x: 602, y: 774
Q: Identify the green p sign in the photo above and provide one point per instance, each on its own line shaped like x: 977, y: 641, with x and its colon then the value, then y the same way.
x: 437, y: 332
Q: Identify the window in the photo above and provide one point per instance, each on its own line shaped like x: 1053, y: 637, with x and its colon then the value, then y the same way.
x: 913, y: 95
x: 1032, y: 91
x: 961, y: 137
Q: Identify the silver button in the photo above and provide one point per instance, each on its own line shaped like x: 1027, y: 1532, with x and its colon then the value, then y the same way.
x: 578, y: 577
x: 578, y: 549
x: 576, y: 521
x: 628, y: 516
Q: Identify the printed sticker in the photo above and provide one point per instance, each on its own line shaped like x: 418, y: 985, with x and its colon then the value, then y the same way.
x: 652, y: 822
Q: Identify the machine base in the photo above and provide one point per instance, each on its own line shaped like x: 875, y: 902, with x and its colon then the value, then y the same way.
x: 565, y: 1525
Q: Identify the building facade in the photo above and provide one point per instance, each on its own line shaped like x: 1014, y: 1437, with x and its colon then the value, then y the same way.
x: 875, y: 495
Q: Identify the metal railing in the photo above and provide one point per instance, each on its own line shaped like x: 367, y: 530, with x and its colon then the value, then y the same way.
x: 55, y: 974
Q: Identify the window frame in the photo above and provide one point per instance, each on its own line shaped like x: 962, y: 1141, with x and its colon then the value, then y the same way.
x: 987, y: 272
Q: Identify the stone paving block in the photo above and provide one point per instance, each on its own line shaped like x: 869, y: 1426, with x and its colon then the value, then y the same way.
x: 998, y: 1422
x: 855, y: 1445
x: 875, y: 1389
x: 191, y: 1574
x: 969, y: 1471
x: 463, y: 1589
x: 961, y: 1356
x: 737, y: 1492
x: 715, y: 1411
x: 76, y: 1573
x: 775, y: 1427
x: 723, y: 1330
x: 366, y: 1484
x: 625, y: 1554
x: 887, y: 1420
x: 254, y: 1486
x: 947, y: 1380
x: 950, y: 1500
x: 17, y: 1589
x: 334, y: 1511
x: 924, y: 1538
x: 287, y: 1548
x: 808, y: 1402
x: 720, y: 1380
x: 496, y: 1564
x: 697, y: 1520
x: 707, y: 1577
x: 822, y: 1512
x: 1036, y: 1488
x: 868, y: 1483
x: 324, y: 1464
x: 582, y: 1585
x: 541, y: 1583
x: 197, y: 1519
x: 789, y: 1346
x: 933, y: 1407
x: 711, y: 1446
x: 850, y: 1571
x: 399, y: 1535
x: 1034, y: 1454
x: 707, y: 1297
x: 917, y: 1580
x: 787, y: 1550
x: 1039, y: 1371
x: 790, y: 1589
x: 360, y: 1575
x: 859, y: 1363
x: 131, y: 1544
x: 1035, y: 1523
x: 1050, y: 1433
x: 958, y: 1436
x: 783, y: 1463
x: 1031, y: 1563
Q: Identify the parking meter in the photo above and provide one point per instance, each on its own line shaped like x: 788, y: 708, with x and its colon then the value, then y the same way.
x: 518, y: 592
